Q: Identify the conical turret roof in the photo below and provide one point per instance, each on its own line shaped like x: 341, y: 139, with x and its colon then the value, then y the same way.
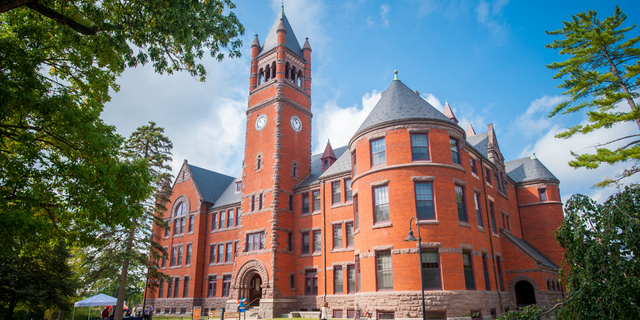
x: 400, y: 103
x: 272, y: 39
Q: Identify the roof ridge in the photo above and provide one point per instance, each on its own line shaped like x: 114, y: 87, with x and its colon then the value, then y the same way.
x: 540, y: 252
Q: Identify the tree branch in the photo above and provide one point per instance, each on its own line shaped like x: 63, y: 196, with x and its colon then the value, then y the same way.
x: 606, y: 143
x: 8, y: 5
x: 56, y: 16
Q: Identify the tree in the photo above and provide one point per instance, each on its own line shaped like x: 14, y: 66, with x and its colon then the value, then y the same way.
x: 601, y: 72
x: 601, y: 268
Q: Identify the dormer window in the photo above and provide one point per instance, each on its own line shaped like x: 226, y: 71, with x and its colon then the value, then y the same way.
x: 238, y: 186
x: 325, y: 165
x: 542, y: 193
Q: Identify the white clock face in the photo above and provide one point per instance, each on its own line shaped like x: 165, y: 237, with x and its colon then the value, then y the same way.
x: 261, y: 122
x: 296, y: 124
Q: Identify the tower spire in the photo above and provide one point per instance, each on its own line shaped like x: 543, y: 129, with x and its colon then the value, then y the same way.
x: 282, y: 11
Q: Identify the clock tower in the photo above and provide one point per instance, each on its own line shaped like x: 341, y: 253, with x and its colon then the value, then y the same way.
x: 277, y: 156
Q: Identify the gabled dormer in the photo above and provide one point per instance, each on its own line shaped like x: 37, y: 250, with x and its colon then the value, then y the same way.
x: 328, y: 157
x: 449, y: 113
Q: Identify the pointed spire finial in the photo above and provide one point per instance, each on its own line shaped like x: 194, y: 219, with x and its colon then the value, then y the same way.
x: 282, y: 8
x: 533, y: 156
x: 395, y: 75
x: 328, y: 141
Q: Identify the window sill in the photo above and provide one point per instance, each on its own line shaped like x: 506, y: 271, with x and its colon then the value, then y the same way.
x: 495, y: 235
x: 489, y: 185
x: 341, y: 249
x: 475, y: 175
x: 306, y: 255
x: 481, y: 229
x: 178, y: 235
x: 356, y: 231
x: 464, y: 224
x: 337, y: 205
x: 175, y: 267
x: 221, y: 264
x: 428, y: 222
x: 421, y: 160
x: 310, y: 214
x: 385, y: 224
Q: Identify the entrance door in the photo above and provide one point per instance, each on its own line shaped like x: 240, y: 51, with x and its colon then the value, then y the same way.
x: 255, y: 292
x: 525, y: 294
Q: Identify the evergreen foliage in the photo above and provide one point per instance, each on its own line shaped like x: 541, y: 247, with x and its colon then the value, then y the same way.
x: 602, y: 72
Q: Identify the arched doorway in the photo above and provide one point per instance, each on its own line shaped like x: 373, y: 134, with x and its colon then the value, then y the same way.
x: 255, y: 290
x: 525, y: 294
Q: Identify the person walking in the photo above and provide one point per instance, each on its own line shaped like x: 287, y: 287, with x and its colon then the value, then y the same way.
x: 138, y: 311
x: 324, y: 312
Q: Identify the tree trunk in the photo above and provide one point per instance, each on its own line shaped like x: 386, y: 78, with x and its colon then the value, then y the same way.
x: 12, y: 306
x: 60, y: 314
x: 614, y: 69
x: 123, y: 276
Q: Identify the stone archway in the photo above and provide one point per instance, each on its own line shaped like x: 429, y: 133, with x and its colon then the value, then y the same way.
x: 252, y: 281
x: 524, y: 290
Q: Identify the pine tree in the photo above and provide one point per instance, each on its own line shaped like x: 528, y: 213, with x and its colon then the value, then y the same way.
x: 601, y: 72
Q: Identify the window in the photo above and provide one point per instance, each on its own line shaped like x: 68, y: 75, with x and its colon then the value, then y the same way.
x: 337, y: 314
x: 493, y: 313
x: 476, y: 200
x: 214, y: 221
x: 469, y: 281
x: 253, y: 202
x: 419, y: 147
x: 237, y: 216
x: 338, y: 285
x: 351, y: 279
x: 255, y: 241
x: 311, y: 282
x: 487, y: 174
x: 499, y: 273
x: 316, y: 200
x: 231, y: 214
x: 176, y: 288
x: 462, y: 209
x: 378, y: 153
x: 356, y: 217
x: 317, y: 241
x: 494, y: 228
x: 185, y: 290
x: 175, y: 227
x: 291, y: 202
x: 174, y: 253
x: 169, y: 289
x: 474, y: 166
x: 173, y: 310
x: 292, y: 281
x: 424, y: 201
x: 226, y: 285
x: 212, y: 253
x: 211, y: 292
x: 455, y: 151
x: 325, y: 164
x: 358, y: 282
x: 431, y: 270
x: 352, y: 314
x: 347, y: 190
x: 349, y: 227
x: 485, y: 270
x: 305, y: 243
x: 260, y: 200
x: 476, y: 315
x: 384, y: 272
x: 305, y: 203
x: 181, y: 210
x: 381, y: 204
x: 290, y: 241
x: 161, y: 288
x: 335, y: 194
x: 542, y: 193
x: 337, y: 236
x: 294, y: 170
x: 238, y: 186
x: 220, y: 253
x: 222, y: 219
x: 167, y: 230
x: 180, y: 255
x: 182, y: 226
x: 191, y: 224
x: 354, y: 167
x: 229, y: 251
x: 505, y: 221
x: 237, y: 248
x: 386, y: 316
x: 188, y: 259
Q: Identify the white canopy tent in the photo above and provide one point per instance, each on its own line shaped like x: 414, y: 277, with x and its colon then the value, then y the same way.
x: 97, y: 300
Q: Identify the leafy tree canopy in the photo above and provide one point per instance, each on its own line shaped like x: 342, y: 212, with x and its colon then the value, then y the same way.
x: 601, y: 72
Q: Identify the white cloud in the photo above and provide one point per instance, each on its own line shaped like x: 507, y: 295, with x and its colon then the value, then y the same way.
x: 434, y: 101
x: 490, y: 17
x: 384, y: 10
x: 534, y: 120
x: 306, y: 17
x: 483, y: 11
x: 464, y: 112
x: 340, y: 124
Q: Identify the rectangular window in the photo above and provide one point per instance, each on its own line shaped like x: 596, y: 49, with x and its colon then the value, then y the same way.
x: 381, y: 204
x: 476, y: 200
x: 349, y: 227
x: 164, y: 261
x: 176, y: 288
x: 337, y: 314
x: 337, y: 236
x: 173, y: 310
x: 336, y: 195
x: 419, y: 147
x: 223, y: 219
x: 260, y: 200
x: 386, y: 316
x: 499, y: 273
x: 226, y: 285
x: 211, y: 292
x: 474, y: 166
x: 179, y: 256
x: 504, y: 223
x: 508, y: 227
x: 305, y: 243
x: 174, y: 253
x: 188, y: 259
x: 167, y: 230
x: 378, y: 153
x: 543, y: 194
x: 212, y: 253
x: 358, y: 282
x: 253, y: 203
x: 455, y: 151
x: 182, y: 226
x: 351, y: 279
x: 338, y: 285
x: 290, y: 241
x: 237, y: 216
x: 462, y: 208
x: 291, y: 202
x: 169, y: 288
x: 352, y: 314
x: 494, y: 228
x: 191, y: 224
x: 220, y: 253
x: 231, y: 215
x: 356, y: 216
x: 161, y: 288
x: 311, y: 282
x: 384, y: 271
x: 485, y: 270
x: 305, y: 203
x: 185, y: 290
x: 238, y: 186
x: 487, y: 174
x: 214, y: 221
x: 292, y: 282
x: 467, y: 265
x: 317, y: 241
x: 229, y: 252
x: 316, y: 201
x: 347, y: 190
x: 255, y: 241
x: 176, y: 226
x: 431, y: 270
x: 354, y: 167
x: 424, y: 201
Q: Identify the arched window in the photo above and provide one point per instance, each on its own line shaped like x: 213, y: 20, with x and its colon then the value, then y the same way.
x: 259, y: 161
x: 295, y: 170
x: 287, y: 68
x: 548, y: 284
x: 181, y: 210
x: 292, y: 77
x: 267, y: 73
x: 299, y: 79
x: 260, y: 76
x: 273, y: 70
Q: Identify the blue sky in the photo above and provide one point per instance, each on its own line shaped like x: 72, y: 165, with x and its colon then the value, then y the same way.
x: 486, y: 58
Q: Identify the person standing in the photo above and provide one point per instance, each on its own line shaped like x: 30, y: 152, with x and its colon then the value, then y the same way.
x: 324, y: 312
x: 105, y: 313
x: 138, y: 311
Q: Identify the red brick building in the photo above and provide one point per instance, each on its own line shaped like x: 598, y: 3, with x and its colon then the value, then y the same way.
x: 296, y: 229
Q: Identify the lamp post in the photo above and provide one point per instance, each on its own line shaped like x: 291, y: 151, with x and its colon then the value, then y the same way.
x: 411, y: 238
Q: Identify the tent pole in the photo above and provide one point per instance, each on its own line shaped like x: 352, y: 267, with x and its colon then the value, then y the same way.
x: 89, y: 313
x: 74, y: 312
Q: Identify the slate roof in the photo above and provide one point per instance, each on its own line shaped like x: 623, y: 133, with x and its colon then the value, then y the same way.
x: 272, y: 38
x: 530, y: 250
x: 316, y: 167
x: 229, y: 196
x: 342, y: 165
x: 210, y: 184
x: 480, y: 142
x: 400, y: 103
x: 528, y: 169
